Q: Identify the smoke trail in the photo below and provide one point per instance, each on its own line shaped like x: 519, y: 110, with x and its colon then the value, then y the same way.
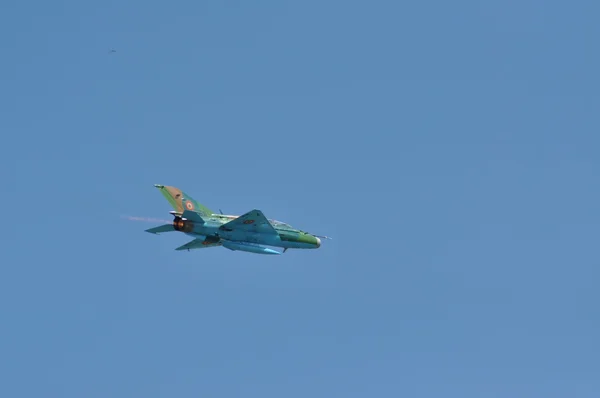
x: 146, y: 219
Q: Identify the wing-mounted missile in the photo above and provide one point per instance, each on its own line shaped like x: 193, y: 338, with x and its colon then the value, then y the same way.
x: 247, y: 247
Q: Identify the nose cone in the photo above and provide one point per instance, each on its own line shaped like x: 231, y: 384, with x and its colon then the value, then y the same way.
x: 308, y: 241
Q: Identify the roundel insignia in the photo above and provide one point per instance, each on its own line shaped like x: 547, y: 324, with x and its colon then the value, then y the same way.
x: 189, y: 205
x: 248, y: 221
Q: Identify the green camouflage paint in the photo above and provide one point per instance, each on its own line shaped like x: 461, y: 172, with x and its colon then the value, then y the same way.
x: 175, y: 195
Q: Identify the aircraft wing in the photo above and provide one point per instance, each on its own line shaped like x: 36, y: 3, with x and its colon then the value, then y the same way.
x: 198, y: 244
x: 161, y: 228
x: 253, y: 221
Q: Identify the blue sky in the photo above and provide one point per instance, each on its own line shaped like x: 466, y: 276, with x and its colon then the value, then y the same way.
x: 449, y: 148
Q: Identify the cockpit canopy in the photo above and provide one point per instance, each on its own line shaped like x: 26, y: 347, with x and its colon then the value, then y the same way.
x: 280, y: 224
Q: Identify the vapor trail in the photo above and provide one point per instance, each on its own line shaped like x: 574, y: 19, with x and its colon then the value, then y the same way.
x: 146, y: 219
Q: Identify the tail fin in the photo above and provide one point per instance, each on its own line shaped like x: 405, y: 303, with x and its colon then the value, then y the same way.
x: 180, y: 201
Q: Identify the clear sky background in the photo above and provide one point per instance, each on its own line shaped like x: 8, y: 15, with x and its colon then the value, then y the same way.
x: 449, y: 148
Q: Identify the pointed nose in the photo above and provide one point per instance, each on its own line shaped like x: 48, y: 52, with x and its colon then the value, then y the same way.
x: 318, y: 243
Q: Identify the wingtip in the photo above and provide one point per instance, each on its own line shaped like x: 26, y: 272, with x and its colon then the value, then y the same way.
x: 159, y: 186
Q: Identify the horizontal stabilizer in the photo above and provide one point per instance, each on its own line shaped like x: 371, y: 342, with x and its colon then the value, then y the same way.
x: 162, y: 228
x: 192, y: 216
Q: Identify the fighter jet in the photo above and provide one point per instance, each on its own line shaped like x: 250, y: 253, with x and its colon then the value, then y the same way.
x: 250, y: 232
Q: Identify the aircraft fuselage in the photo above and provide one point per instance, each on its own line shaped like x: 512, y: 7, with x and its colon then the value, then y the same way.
x: 247, y: 232
x: 284, y: 238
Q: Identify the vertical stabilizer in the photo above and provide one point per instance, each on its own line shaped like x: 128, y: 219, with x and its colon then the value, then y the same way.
x: 181, y: 201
